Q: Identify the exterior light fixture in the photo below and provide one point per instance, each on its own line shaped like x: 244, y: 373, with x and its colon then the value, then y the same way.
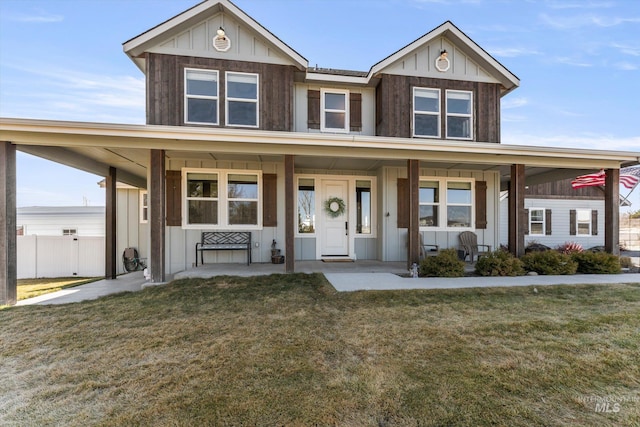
x: 221, y: 42
x: 442, y: 61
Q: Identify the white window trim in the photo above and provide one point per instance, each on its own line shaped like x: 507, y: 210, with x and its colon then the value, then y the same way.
x: 245, y: 100
x: 590, y: 216
x: 470, y: 115
x: 143, y: 206
x: 223, y: 200
x: 443, y: 204
x: 426, y: 113
x: 323, y: 110
x: 216, y: 98
x: 544, y: 221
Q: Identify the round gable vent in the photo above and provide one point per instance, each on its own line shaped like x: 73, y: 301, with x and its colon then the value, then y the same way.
x: 442, y: 62
x: 221, y: 42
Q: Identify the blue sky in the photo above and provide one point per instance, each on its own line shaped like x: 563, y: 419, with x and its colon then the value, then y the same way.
x: 578, y: 62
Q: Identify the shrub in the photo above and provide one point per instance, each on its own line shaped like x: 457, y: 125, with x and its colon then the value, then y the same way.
x: 597, y: 263
x: 570, y: 248
x: 445, y: 264
x: 534, y: 246
x: 499, y: 263
x: 626, y: 262
x: 549, y: 262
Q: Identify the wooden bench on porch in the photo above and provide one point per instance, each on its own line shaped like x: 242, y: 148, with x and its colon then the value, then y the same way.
x: 224, y: 241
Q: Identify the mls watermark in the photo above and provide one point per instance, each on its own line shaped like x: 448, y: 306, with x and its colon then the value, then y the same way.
x: 609, y: 404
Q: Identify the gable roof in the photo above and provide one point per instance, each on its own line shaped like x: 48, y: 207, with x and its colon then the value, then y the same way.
x: 462, y: 42
x: 135, y: 47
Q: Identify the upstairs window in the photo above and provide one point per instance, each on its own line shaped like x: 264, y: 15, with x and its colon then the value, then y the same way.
x: 242, y: 99
x: 426, y: 112
x: 334, y: 106
x: 459, y: 114
x: 201, y: 97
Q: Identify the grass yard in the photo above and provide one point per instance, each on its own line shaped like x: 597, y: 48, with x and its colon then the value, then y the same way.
x: 29, y: 288
x: 289, y: 350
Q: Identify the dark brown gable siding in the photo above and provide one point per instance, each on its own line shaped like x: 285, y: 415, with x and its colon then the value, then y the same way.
x: 394, y: 105
x: 561, y: 190
x: 165, y: 89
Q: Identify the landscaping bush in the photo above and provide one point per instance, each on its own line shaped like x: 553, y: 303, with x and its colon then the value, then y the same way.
x: 549, y: 262
x: 499, y: 263
x: 597, y: 263
x: 626, y: 262
x: 445, y: 264
x: 534, y: 246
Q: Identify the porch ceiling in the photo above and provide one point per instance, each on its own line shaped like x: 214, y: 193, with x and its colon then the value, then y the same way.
x: 96, y: 147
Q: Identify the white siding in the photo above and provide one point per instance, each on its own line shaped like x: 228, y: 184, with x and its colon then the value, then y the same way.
x: 50, y: 221
x: 559, y: 221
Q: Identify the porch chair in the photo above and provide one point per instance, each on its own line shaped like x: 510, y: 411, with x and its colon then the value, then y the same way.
x: 469, y: 244
x: 428, y: 250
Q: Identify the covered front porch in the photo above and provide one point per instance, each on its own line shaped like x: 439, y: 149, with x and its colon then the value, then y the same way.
x: 144, y: 156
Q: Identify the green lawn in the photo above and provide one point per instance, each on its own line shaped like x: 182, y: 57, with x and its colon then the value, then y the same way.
x: 289, y: 350
x: 29, y: 288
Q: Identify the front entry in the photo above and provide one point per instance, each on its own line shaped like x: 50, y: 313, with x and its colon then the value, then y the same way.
x: 334, y: 227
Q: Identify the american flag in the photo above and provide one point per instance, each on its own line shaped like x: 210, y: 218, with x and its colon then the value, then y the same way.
x: 629, y: 177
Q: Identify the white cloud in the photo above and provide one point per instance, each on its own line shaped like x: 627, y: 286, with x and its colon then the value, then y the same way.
x: 633, y: 50
x: 68, y: 94
x: 512, y: 52
x: 572, y: 61
x: 580, y: 5
x: 626, y: 66
x: 589, y: 141
x: 38, y: 17
x: 514, y: 103
x: 578, y: 21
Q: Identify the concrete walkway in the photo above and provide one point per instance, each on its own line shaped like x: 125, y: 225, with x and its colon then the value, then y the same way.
x: 365, y: 276
x: 125, y: 283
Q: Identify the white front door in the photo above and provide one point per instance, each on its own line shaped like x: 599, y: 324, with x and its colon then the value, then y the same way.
x: 334, y: 229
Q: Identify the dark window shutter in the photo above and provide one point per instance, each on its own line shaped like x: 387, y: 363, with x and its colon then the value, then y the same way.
x: 572, y: 222
x: 355, y: 112
x: 313, y: 109
x: 547, y: 222
x: 527, y: 221
x: 270, y: 202
x: 481, y: 204
x: 594, y: 222
x: 403, y: 203
x: 174, y: 198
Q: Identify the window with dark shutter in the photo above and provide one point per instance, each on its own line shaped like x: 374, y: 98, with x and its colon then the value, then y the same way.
x: 481, y: 204
x: 173, y: 198
x: 270, y: 202
x: 355, y: 112
x: 403, y: 203
x: 313, y: 109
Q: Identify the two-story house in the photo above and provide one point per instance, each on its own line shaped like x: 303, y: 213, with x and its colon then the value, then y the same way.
x: 242, y: 134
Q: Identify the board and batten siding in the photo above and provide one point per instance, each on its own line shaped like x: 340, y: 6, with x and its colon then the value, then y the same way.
x: 395, y: 238
x: 394, y: 106
x: 130, y: 233
x: 180, y: 243
x: 165, y: 90
x: 302, y: 112
x: 560, y: 221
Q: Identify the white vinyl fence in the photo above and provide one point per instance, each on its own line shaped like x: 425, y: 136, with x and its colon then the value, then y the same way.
x: 60, y: 256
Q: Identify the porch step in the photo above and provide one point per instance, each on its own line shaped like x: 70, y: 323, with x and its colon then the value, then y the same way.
x: 336, y: 258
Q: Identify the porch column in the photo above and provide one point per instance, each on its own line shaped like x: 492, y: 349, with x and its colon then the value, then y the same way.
x: 413, y: 172
x: 612, y: 211
x: 289, y: 209
x: 156, y: 216
x: 8, y: 248
x: 110, y: 265
x: 517, y: 223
